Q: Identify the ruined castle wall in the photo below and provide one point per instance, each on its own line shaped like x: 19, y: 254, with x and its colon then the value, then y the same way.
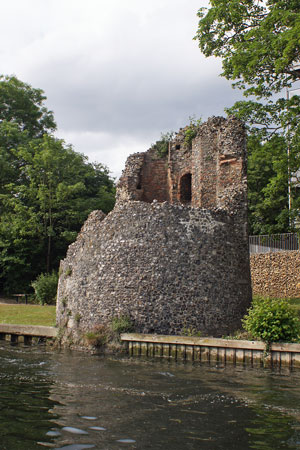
x: 154, y: 178
x: 129, y: 184
x: 216, y: 162
x: 180, y: 164
x: 219, y: 155
x: 167, y: 266
x: 159, y: 256
x: 205, y: 156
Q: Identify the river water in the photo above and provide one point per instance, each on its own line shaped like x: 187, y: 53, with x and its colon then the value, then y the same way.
x: 74, y: 401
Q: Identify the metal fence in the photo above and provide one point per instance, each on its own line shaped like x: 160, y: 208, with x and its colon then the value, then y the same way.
x: 274, y: 243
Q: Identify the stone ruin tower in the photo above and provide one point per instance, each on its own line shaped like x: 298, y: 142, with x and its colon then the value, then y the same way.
x: 173, y: 253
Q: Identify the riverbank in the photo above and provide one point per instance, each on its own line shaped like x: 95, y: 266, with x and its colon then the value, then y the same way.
x: 207, y: 349
x: 26, y: 333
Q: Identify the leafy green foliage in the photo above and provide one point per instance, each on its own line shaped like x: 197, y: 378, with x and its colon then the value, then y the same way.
x: 259, y: 45
x: 191, y: 332
x: 109, y: 334
x: 272, y: 320
x: 191, y: 131
x: 45, y: 288
x: 47, y: 189
x: 267, y: 186
x: 43, y: 210
x: 22, y: 105
x: 258, y: 42
x: 162, y: 146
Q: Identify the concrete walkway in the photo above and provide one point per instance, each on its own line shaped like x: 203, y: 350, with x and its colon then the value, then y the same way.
x: 28, y: 330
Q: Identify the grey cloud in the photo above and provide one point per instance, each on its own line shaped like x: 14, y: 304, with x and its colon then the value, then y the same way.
x: 116, y: 73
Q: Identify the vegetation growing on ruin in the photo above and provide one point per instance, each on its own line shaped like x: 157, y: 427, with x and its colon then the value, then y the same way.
x: 103, y: 334
x: 190, y: 331
x: 98, y: 336
x: 162, y: 145
x: 121, y: 324
x: 68, y: 272
x: 191, y: 131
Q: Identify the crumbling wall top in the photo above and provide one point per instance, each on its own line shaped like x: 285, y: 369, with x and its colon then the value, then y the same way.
x: 208, y: 171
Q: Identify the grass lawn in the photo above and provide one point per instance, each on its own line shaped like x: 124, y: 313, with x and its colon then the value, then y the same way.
x: 27, y: 314
x: 295, y: 303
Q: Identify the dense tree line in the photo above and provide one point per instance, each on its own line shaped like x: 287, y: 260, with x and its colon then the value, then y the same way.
x: 47, y: 189
x: 259, y: 43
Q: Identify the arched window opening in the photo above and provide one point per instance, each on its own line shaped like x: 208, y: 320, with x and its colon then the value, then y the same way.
x: 186, y: 188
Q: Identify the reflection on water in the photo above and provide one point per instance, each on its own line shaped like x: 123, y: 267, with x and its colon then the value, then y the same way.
x: 76, y: 401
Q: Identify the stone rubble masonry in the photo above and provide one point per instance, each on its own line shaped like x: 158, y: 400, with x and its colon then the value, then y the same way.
x: 216, y: 162
x: 173, y: 253
x: 276, y: 274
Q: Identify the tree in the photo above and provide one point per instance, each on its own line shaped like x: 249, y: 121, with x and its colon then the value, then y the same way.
x: 23, y: 105
x: 259, y: 44
x: 47, y: 189
x: 42, y: 214
x: 267, y: 181
x: 23, y: 117
x: 257, y: 40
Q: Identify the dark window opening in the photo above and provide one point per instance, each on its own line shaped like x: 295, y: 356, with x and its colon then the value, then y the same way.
x: 177, y: 147
x: 186, y: 188
x: 139, y: 181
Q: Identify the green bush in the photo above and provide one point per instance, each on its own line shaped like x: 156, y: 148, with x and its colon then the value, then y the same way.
x: 272, y: 320
x: 45, y: 288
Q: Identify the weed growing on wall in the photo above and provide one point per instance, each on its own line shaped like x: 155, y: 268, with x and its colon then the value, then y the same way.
x: 121, y: 324
x: 272, y: 320
x: 98, y: 336
x: 77, y: 317
x: 68, y: 272
x: 191, y: 131
x: 191, y: 332
x: 103, y: 334
x: 64, y: 302
x: 162, y: 146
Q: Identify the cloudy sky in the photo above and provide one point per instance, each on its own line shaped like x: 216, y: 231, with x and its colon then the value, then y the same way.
x: 116, y: 73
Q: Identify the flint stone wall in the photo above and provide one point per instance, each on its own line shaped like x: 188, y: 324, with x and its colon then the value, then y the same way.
x: 276, y: 274
x: 168, y: 267
x: 216, y: 162
x: 159, y: 256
